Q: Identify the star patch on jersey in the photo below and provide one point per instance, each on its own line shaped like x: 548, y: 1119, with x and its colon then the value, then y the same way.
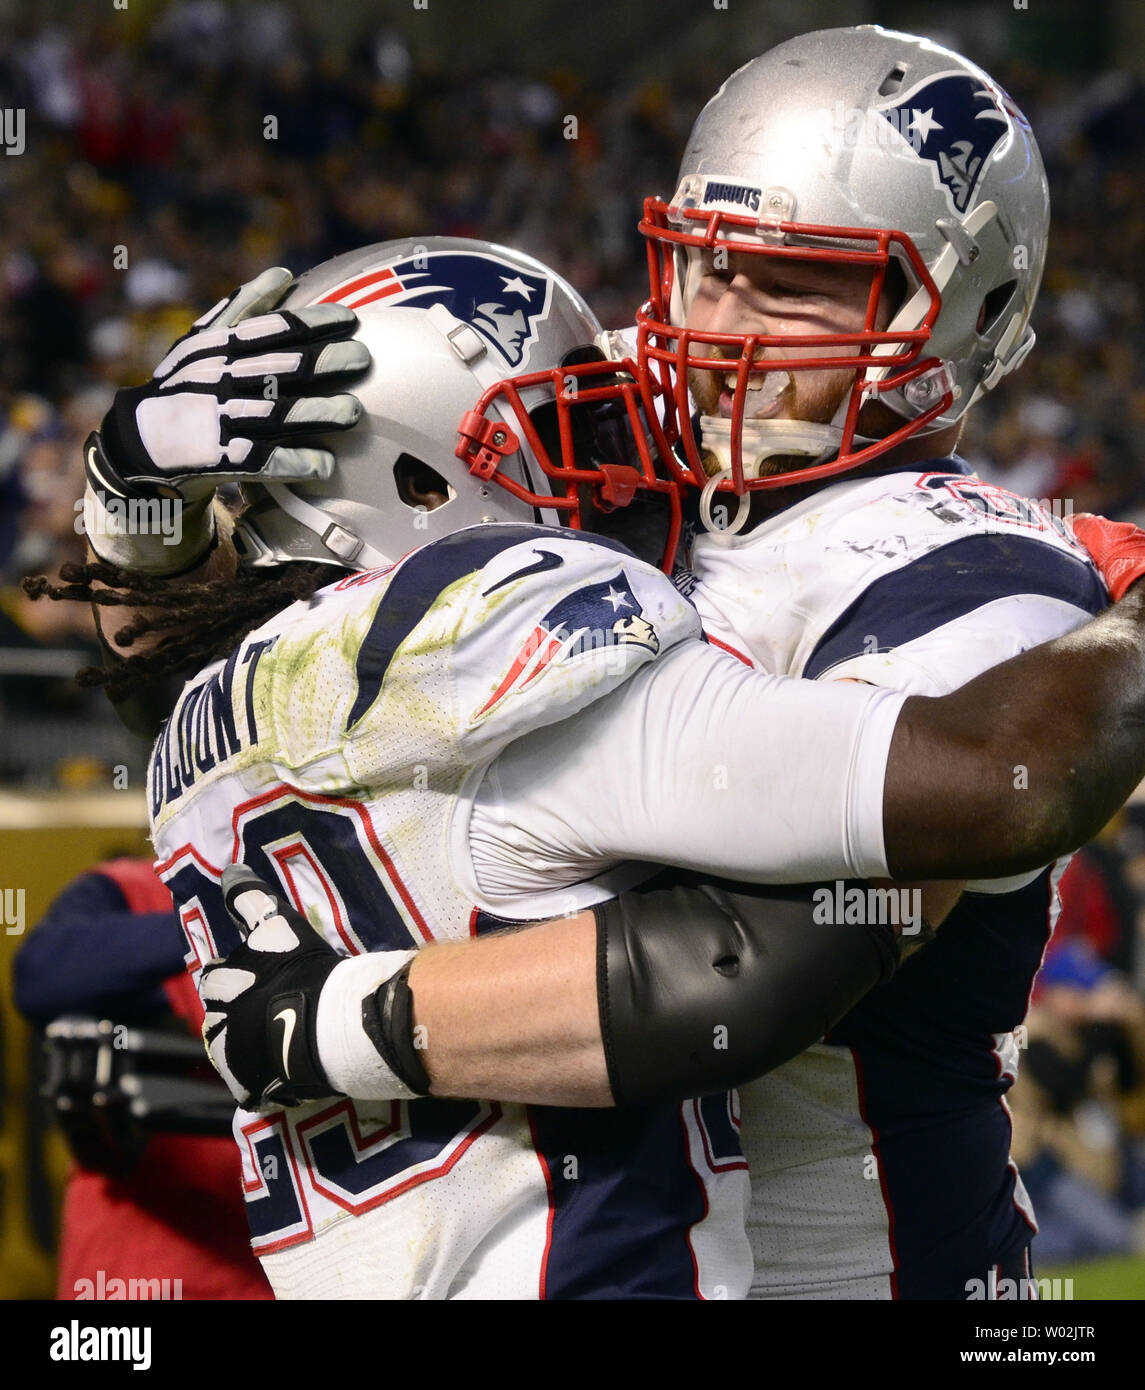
x: 607, y: 614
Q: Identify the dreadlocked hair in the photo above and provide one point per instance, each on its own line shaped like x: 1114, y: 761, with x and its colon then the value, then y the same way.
x: 200, y: 623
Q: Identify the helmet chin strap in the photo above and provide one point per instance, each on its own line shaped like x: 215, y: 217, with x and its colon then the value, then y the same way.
x: 349, y: 548
x: 762, y: 440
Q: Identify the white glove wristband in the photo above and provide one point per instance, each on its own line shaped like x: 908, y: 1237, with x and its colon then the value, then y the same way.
x: 154, y: 536
x: 349, y: 1059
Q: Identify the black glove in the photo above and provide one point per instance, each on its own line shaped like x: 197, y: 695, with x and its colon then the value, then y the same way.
x: 229, y: 398
x: 261, y: 1002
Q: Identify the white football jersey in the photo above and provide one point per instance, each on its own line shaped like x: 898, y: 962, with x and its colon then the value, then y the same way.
x: 343, y: 750
x: 880, y: 1158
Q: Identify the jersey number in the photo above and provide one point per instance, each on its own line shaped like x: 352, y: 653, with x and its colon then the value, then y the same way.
x: 323, y: 850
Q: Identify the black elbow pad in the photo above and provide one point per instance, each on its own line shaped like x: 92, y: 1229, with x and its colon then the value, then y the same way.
x: 702, y: 989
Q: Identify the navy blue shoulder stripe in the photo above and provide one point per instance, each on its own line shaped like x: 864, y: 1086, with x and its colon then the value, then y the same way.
x: 423, y: 576
x: 949, y: 583
x: 948, y: 463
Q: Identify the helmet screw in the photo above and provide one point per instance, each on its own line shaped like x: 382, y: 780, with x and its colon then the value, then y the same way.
x: 974, y: 253
x: 499, y: 437
x: 775, y: 201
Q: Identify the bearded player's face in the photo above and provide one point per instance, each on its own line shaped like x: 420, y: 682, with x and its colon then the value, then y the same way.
x: 746, y: 293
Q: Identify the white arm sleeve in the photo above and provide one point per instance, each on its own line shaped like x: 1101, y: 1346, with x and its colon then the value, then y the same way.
x: 698, y: 762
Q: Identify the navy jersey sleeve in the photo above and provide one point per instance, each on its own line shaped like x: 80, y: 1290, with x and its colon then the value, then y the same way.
x: 932, y: 625
x: 1003, y: 587
x: 91, y: 954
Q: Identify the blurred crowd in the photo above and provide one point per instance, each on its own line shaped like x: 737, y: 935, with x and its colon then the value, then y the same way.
x: 164, y: 166
x: 1079, y: 1103
x: 158, y: 174
x: 160, y: 171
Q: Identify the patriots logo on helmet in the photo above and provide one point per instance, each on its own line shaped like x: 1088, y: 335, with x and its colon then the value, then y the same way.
x: 955, y: 121
x: 504, y: 303
x: 607, y: 614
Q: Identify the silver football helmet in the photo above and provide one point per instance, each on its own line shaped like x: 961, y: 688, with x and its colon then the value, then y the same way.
x: 486, y: 368
x: 866, y: 147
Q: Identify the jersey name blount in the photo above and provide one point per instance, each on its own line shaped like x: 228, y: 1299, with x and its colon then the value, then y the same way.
x: 203, y: 732
x: 732, y: 193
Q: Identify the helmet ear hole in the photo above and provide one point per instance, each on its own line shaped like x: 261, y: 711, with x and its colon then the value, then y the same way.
x: 994, y: 304
x: 418, y: 485
x: 577, y: 356
x: 895, y: 286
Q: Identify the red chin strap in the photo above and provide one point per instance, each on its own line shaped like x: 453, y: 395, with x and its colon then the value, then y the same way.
x: 666, y: 352
x: 485, y: 442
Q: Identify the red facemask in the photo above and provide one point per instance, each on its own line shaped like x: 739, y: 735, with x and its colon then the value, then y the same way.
x: 598, y: 430
x: 667, y: 351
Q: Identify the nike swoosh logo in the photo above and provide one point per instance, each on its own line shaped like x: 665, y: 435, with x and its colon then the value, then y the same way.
x: 291, y: 1018
x: 95, y: 473
x: 546, y: 561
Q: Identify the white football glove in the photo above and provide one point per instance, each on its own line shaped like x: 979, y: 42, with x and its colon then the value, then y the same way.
x: 227, y: 395
x: 229, y: 402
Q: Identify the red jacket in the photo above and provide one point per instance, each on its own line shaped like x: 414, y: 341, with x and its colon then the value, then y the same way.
x: 179, y: 1216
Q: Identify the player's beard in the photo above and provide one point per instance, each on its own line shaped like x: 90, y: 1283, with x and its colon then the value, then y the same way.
x: 815, y: 401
